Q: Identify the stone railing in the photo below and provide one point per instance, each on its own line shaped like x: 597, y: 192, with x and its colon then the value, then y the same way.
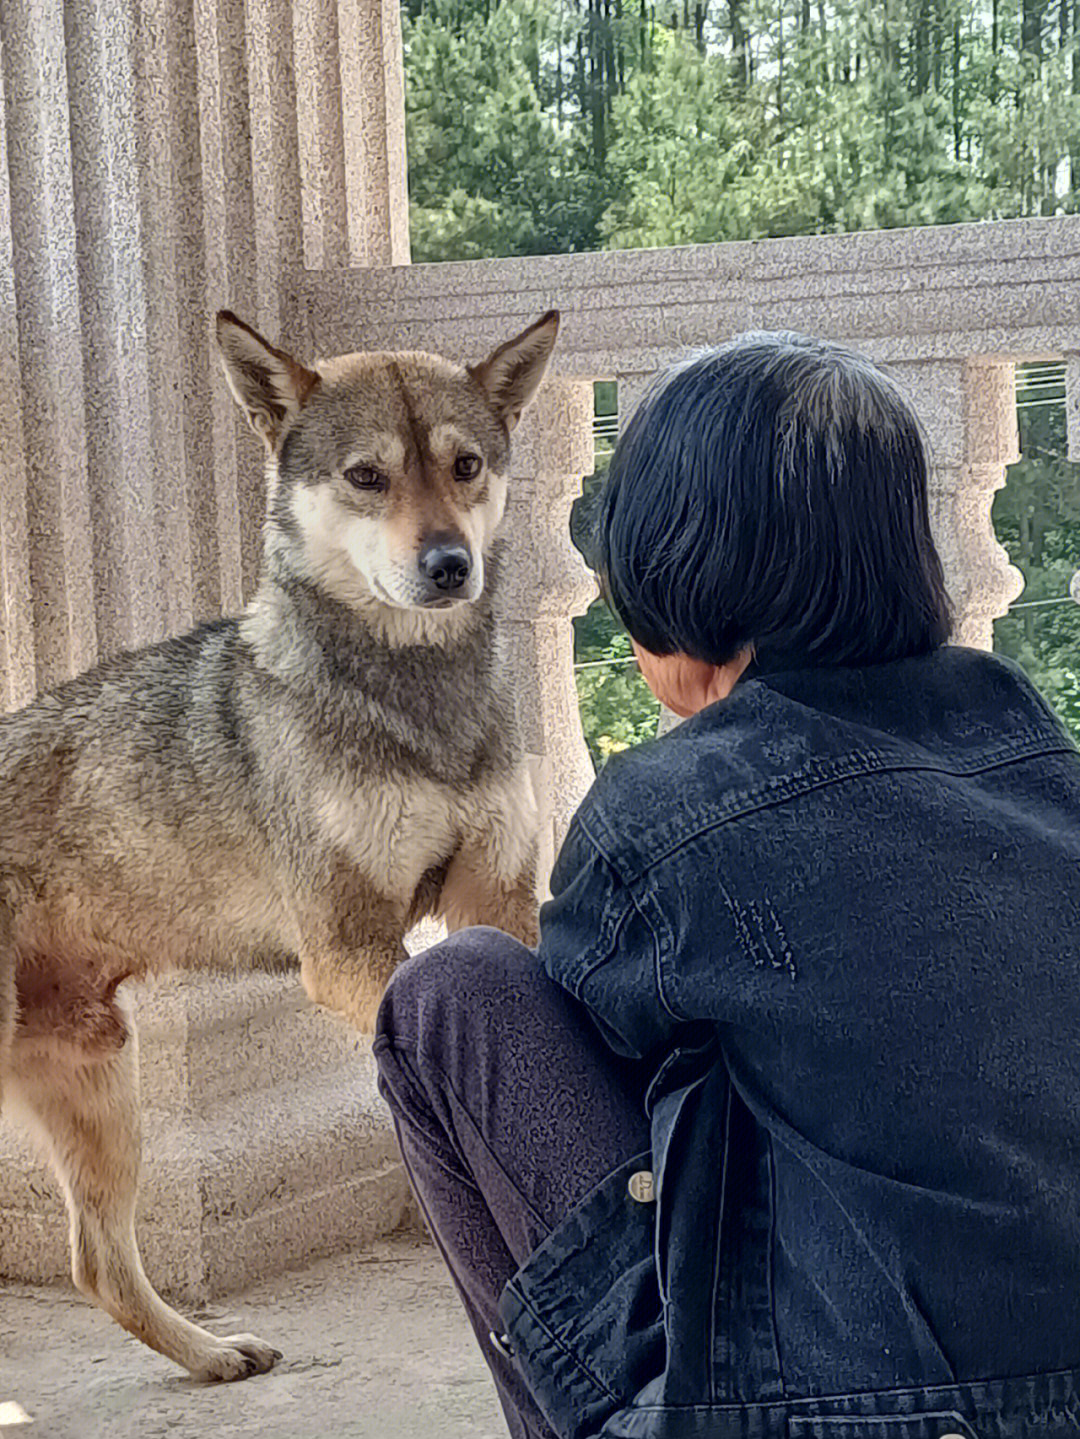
x: 158, y: 160
x: 949, y: 311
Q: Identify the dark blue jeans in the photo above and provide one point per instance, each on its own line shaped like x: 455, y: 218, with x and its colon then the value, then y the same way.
x: 509, y: 1110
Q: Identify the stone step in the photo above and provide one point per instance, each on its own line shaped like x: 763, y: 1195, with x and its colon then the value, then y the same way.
x: 262, y: 1181
x: 203, y: 1039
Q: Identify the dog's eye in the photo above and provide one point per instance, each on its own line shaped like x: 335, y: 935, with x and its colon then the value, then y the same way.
x: 365, y: 477
x: 467, y: 467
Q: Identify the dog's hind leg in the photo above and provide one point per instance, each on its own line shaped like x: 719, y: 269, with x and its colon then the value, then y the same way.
x: 84, y: 1109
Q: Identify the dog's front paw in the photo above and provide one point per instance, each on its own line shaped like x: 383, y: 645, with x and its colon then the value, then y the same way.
x: 238, y: 1356
x: 528, y: 929
x: 353, y: 997
x: 359, y: 1013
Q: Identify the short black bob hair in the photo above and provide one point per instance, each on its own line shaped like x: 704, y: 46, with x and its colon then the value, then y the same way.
x: 773, y: 493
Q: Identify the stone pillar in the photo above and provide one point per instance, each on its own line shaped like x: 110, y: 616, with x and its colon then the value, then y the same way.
x: 17, y: 659
x: 44, y: 327
x: 373, y: 104
x: 968, y: 408
x: 158, y: 162
x: 546, y: 583
x: 352, y: 132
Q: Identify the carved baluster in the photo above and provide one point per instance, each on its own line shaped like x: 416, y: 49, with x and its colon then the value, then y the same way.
x: 546, y: 583
x: 968, y: 408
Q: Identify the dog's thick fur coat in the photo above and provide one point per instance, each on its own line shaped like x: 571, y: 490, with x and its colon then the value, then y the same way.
x: 299, y: 783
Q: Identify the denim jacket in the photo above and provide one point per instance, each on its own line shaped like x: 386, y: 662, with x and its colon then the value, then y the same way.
x: 838, y: 914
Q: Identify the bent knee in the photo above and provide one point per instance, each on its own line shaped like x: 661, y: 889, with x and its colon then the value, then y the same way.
x: 441, y: 994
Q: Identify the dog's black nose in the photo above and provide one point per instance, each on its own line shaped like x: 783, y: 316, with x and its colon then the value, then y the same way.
x: 446, y: 565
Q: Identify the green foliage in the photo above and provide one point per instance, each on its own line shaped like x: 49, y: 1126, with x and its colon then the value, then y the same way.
x: 617, y: 710
x: 557, y: 125
x: 1037, y: 519
x: 491, y: 170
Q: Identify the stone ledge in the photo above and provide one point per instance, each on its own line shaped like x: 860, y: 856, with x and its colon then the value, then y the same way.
x: 1008, y: 288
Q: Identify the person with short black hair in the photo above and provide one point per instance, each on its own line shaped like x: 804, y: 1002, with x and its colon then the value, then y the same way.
x: 777, y: 1134
x: 773, y: 494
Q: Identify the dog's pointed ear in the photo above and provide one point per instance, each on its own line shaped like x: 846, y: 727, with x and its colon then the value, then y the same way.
x: 268, y: 385
x: 511, y: 376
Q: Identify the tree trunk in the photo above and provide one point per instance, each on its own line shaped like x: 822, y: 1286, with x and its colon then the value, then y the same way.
x: 888, y: 56
x: 597, y: 105
x: 1074, y: 162
x: 780, y: 67
x: 558, y: 69
x: 823, y: 21
x: 1031, y: 43
x: 611, y: 60
x: 937, y: 45
x: 701, y: 10
x: 921, y: 47
x: 740, y: 57
x: 1031, y: 25
x: 958, y: 126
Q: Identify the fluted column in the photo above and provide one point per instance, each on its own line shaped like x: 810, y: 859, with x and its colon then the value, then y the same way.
x: 351, y: 104
x: 17, y: 659
x: 43, y: 243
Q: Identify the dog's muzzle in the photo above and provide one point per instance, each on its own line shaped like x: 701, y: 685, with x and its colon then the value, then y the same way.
x: 446, y: 567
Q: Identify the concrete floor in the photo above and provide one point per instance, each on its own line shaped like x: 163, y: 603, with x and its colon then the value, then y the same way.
x: 376, y: 1346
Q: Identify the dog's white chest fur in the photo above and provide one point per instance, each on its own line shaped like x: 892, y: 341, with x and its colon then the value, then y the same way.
x: 394, y: 831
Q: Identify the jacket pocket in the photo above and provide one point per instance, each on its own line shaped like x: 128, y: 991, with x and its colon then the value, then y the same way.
x: 583, y: 1312
x: 672, y: 1103
x: 932, y: 1424
x: 688, y: 1128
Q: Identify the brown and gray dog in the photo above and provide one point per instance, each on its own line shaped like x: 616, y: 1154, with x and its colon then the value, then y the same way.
x: 300, y: 783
